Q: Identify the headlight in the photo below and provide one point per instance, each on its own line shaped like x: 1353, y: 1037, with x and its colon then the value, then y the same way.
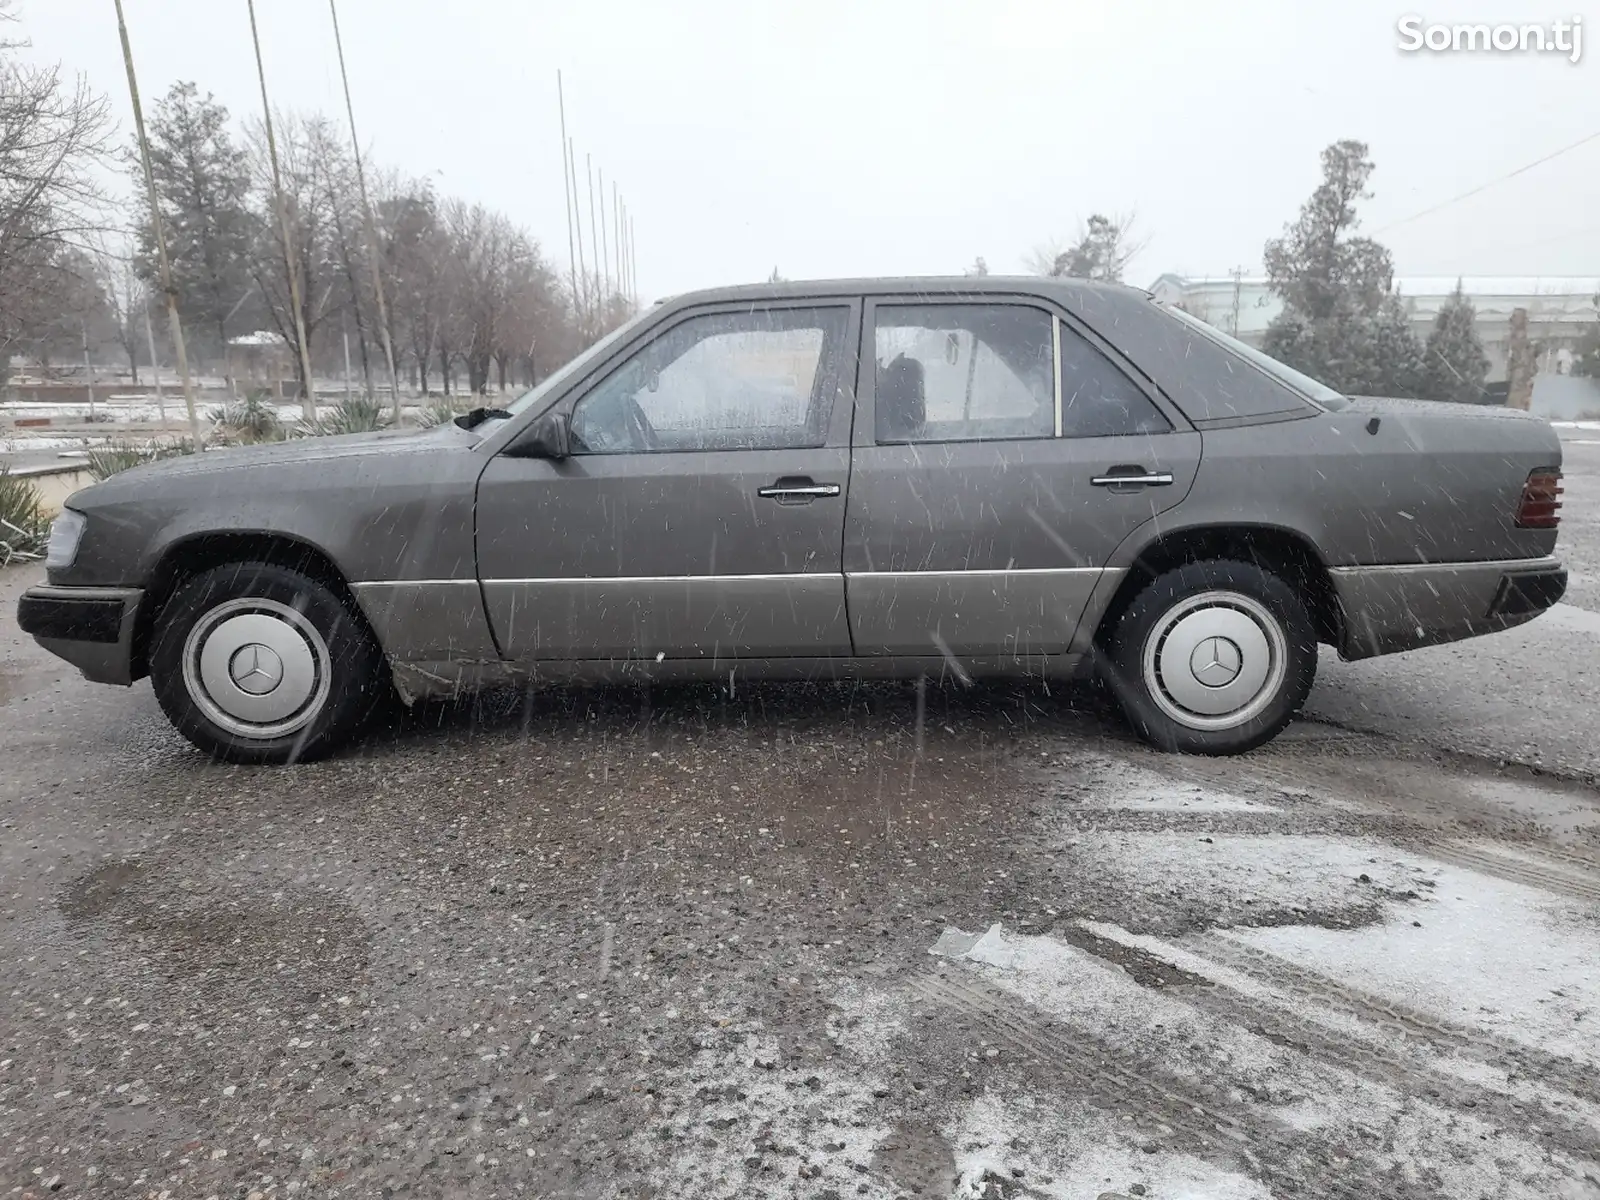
x: 66, y: 531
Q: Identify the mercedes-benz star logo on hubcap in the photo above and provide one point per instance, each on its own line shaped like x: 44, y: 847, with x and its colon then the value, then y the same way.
x: 256, y: 669
x: 1216, y: 662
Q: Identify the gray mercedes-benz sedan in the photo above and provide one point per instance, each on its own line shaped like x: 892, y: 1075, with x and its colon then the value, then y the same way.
x: 896, y: 477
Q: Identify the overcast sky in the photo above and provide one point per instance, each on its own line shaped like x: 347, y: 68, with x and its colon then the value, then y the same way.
x: 864, y: 137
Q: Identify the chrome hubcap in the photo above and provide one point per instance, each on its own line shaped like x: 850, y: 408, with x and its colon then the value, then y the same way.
x: 257, y: 668
x: 1215, y: 660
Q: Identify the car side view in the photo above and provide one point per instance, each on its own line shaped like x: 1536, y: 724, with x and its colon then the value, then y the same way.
x: 961, y: 478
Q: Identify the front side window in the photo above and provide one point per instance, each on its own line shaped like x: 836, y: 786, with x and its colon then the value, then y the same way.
x: 756, y: 380
x: 963, y: 372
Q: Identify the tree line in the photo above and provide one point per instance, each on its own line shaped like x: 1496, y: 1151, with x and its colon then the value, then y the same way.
x: 473, y: 303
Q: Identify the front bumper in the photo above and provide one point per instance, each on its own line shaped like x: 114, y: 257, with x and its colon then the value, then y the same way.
x: 92, y: 628
x: 1392, y: 608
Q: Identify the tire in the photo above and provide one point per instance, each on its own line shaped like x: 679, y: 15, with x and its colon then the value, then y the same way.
x: 298, y: 635
x: 1260, y: 648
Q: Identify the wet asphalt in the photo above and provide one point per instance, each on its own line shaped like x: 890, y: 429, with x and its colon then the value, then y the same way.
x: 501, y: 949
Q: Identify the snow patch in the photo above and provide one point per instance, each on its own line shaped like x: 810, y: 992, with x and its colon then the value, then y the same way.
x: 1075, y: 1152
x: 1512, y: 960
x: 1102, y: 783
x: 1270, y: 871
x: 1212, y: 1054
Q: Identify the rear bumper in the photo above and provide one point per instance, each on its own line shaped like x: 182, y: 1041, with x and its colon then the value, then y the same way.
x: 1392, y: 608
x: 92, y: 628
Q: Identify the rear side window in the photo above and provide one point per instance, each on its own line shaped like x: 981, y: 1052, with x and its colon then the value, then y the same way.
x: 1097, y: 399
x: 987, y: 372
x: 963, y: 373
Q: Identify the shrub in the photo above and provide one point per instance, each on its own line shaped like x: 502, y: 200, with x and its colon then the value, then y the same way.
x: 105, y: 461
x: 353, y: 414
x: 253, y: 419
x: 441, y: 410
x: 24, y: 529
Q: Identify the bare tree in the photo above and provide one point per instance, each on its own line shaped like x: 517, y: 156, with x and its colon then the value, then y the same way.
x: 413, y: 252
x: 53, y: 140
x: 336, y: 170
x: 1103, y: 250
x: 311, y: 230
x: 127, y: 298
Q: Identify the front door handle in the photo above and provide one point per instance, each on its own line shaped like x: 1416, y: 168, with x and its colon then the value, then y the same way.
x: 1133, y: 477
x: 798, y: 491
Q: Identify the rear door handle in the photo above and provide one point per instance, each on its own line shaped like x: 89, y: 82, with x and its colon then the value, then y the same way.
x: 798, y: 491
x: 1134, y: 479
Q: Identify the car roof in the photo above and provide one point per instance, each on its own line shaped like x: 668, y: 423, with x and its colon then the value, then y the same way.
x: 1022, y: 285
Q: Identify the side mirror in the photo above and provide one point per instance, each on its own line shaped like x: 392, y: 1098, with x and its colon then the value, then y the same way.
x: 550, y: 436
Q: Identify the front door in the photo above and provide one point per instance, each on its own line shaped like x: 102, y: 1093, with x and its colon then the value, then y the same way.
x: 702, y: 511
x: 1005, y: 457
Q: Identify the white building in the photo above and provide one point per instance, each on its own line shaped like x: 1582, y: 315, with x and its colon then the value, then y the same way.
x: 1559, y: 308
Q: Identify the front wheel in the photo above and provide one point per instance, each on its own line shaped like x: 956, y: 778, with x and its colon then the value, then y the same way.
x: 256, y: 663
x: 1212, y: 658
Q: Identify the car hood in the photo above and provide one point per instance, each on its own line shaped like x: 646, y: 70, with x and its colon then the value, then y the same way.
x: 253, y: 468
x: 297, y: 450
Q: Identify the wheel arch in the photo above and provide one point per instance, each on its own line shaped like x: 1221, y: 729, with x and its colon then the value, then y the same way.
x: 196, y: 552
x: 1285, y: 552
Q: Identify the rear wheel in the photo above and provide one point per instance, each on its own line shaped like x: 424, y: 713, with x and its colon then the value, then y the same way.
x: 1212, y: 658
x: 257, y: 663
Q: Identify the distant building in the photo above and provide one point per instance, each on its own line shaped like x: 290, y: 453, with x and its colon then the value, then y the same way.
x: 262, y: 359
x: 1559, y: 309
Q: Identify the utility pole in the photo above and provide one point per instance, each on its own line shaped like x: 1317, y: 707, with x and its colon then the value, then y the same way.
x: 583, y: 270
x: 160, y: 234
x: 88, y: 368
x: 622, y: 232
x: 566, y: 193
x: 616, y: 234
x: 308, y: 402
x: 373, y: 250
x: 605, y: 253
x: 1238, y: 287
x: 633, y: 256
x: 155, y: 367
x: 588, y: 167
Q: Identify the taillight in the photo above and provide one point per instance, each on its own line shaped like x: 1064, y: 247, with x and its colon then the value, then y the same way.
x: 1537, y: 508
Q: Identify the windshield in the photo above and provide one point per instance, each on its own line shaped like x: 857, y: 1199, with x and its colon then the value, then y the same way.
x: 1311, y: 389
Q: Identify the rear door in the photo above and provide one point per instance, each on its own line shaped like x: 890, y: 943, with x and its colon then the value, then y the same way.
x: 1001, y: 453
x: 701, y: 513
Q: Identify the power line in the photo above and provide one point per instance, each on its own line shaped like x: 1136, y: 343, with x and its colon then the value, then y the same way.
x: 1483, y: 187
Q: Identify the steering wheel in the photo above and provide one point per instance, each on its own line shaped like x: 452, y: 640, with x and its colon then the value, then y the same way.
x: 639, y: 427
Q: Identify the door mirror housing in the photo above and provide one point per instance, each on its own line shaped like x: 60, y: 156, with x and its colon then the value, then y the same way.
x: 550, y: 436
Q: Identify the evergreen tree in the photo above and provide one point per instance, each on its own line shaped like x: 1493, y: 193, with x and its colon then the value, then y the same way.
x: 1456, y: 365
x: 1398, y: 356
x: 1340, y: 322
x: 1586, y: 358
x: 203, y: 184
